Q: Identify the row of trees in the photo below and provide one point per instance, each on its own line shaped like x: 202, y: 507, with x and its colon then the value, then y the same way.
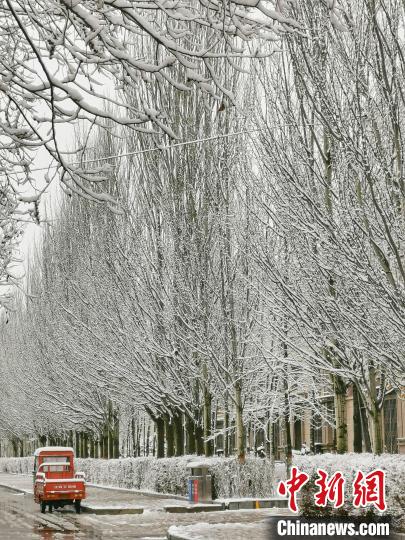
x: 56, y: 56
x: 246, y: 275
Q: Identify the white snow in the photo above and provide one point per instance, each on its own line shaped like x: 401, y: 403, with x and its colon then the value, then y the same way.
x: 64, y: 480
x: 221, y: 531
x: 199, y: 464
x: 53, y: 449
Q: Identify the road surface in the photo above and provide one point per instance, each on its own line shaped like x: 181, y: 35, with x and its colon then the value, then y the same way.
x: 20, y: 518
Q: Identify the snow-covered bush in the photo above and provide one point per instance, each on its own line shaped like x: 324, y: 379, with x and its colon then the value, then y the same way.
x: 17, y: 465
x: 169, y: 475
x: 254, y: 479
x: 349, y: 464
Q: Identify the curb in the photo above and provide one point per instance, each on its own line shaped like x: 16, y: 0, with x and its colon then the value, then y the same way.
x: 155, y: 494
x: 17, y: 490
x: 118, y: 510
x: 242, y: 504
x: 196, y: 509
x: 253, y: 504
x: 176, y: 537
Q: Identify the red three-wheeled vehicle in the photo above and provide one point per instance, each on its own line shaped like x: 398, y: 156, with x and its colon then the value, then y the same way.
x: 55, y: 482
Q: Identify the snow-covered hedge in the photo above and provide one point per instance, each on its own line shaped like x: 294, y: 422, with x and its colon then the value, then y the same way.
x: 169, y: 475
x: 349, y: 464
x: 17, y: 465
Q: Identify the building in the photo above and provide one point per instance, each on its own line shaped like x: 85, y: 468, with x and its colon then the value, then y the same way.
x: 318, y: 434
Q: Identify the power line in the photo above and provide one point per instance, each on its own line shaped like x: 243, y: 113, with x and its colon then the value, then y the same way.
x: 167, y: 147
x: 146, y: 150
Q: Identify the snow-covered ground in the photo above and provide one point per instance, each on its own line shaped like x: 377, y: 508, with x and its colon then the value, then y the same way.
x: 20, y: 518
x: 221, y: 531
x: 154, y: 523
x: 101, y: 497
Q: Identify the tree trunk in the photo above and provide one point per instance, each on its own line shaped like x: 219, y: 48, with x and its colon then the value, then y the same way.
x: 144, y: 437
x: 105, y: 442
x: 77, y: 444
x: 199, y: 439
x: 138, y: 441
x: 147, y: 440
x: 375, y: 415
x: 288, y: 445
x: 190, y: 436
x: 340, y: 413
x: 357, y: 427
x: 269, y: 439
x: 377, y: 430
x: 70, y: 439
x: 133, y: 437
x: 312, y: 430
x: 240, y: 428
x: 178, y: 434
x: 116, y: 436
x: 365, y: 428
x: 14, y: 444
x: 85, y: 448
x: 92, y: 446
x: 110, y: 440
x: 208, y: 444
x: 169, y: 433
x: 226, y: 428
x: 160, y: 437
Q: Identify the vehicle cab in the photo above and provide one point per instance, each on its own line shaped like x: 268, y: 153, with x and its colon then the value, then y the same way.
x: 55, y: 482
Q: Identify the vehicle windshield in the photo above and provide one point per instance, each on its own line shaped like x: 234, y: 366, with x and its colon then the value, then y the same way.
x: 53, y: 460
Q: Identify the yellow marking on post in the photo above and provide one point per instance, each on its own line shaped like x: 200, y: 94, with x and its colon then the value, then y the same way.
x: 257, y: 505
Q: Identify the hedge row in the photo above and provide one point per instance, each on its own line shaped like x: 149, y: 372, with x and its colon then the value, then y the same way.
x: 168, y: 475
x: 349, y: 464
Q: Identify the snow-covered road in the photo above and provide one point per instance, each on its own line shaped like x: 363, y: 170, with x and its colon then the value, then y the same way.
x: 20, y: 518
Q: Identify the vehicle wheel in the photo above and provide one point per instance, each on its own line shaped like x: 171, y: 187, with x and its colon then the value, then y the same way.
x: 51, y: 508
x: 78, y: 506
x: 43, y: 507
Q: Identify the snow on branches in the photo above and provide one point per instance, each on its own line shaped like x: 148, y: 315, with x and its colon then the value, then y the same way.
x: 67, y: 61
x: 71, y: 62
